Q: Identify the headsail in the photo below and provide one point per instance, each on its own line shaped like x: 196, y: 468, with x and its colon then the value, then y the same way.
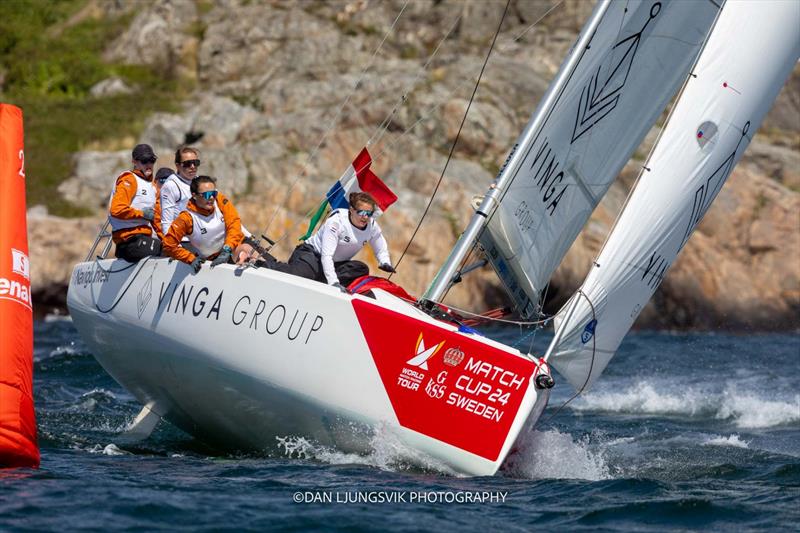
x: 637, y: 58
x: 747, y: 59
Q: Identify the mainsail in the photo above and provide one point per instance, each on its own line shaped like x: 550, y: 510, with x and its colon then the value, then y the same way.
x: 634, y: 62
x: 751, y: 52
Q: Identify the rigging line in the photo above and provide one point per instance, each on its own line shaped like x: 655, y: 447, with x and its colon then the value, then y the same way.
x: 458, y: 134
x: 425, y: 115
x: 518, y: 37
x: 591, y: 364
x: 376, y: 137
x: 646, y: 167
x: 536, y: 330
x: 334, y: 120
x: 139, y: 263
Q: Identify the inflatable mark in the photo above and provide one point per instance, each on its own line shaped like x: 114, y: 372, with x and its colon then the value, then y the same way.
x: 18, y: 447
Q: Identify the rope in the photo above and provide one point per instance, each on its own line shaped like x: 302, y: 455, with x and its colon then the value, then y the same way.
x: 333, y: 121
x: 376, y: 137
x: 458, y: 134
x: 591, y: 365
x: 502, y: 320
x: 518, y: 37
x: 140, y: 264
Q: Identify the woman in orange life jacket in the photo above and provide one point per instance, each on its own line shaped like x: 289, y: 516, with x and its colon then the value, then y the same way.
x: 210, y: 222
x: 327, y: 255
x: 132, y: 209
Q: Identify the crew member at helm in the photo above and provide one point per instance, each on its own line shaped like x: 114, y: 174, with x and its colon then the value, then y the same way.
x: 132, y: 209
x: 327, y: 255
x: 211, y: 223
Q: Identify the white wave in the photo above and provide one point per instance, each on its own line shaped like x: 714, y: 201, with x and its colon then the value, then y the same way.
x: 745, y: 408
x: 751, y: 411
x: 89, y: 401
x: 386, y: 452
x: 109, y: 449
x: 61, y: 351
x: 57, y: 317
x: 554, y: 455
x: 643, y: 398
x: 731, y: 440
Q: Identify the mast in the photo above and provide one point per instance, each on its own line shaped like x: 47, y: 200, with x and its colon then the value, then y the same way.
x: 745, y: 61
x: 447, y: 272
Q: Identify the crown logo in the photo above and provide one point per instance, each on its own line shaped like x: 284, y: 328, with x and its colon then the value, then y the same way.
x: 453, y: 356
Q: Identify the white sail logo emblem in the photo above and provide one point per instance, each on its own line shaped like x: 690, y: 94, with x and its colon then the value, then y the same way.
x: 421, y: 359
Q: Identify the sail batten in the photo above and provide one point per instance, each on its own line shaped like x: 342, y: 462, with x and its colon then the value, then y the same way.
x: 638, y: 56
x: 749, y: 55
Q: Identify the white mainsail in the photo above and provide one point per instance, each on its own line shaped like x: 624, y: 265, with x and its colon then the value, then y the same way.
x: 636, y: 60
x: 752, y: 50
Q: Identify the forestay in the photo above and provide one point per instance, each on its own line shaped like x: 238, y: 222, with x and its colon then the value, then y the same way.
x: 636, y: 60
x: 752, y: 50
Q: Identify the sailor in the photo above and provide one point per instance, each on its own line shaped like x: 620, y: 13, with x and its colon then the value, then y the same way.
x: 175, y: 194
x: 327, y: 255
x: 211, y: 223
x: 161, y: 176
x: 131, y: 209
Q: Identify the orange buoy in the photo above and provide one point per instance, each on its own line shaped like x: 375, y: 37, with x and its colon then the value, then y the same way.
x: 18, y: 447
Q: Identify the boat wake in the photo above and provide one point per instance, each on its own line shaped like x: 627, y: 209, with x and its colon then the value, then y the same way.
x: 746, y: 409
x: 554, y: 455
x: 386, y: 452
x: 731, y: 440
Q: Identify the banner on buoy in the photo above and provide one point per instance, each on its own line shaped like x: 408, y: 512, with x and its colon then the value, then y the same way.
x: 18, y: 446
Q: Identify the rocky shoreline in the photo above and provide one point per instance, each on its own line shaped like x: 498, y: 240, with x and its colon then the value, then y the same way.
x: 271, y: 77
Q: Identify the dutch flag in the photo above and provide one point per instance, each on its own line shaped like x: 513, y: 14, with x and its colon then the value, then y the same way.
x: 357, y: 178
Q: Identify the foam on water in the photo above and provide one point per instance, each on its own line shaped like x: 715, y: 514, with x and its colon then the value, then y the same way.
x: 643, y: 397
x: 554, y: 455
x: 745, y: 408
x: 731, y: 440
x: 748, y: 410
x: 64, y: 351
x: 386, y: 452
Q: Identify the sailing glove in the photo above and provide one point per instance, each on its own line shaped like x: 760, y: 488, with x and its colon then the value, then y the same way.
x: 197, y: 263
x: 223, y: 257
x: 341, y: 287
x: 386, y: 267
x: 148, y: 214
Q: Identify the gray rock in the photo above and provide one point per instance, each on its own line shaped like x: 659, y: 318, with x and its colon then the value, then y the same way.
x: 166, y: 129
x: 159, y: 35
x: 93, y: 181
x: 219, y: 120
x: 228, y: 166
x: 110, y: 87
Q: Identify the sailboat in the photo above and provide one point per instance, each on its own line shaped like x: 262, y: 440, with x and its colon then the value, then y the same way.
x: 243, y: 357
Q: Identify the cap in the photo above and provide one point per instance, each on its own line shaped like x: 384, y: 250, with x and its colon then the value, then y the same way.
x: 143, y: 151
x: 163, y: 173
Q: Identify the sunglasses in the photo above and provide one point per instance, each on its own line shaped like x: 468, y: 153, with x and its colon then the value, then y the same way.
x: 147, y: 161
x: 364, y: 212
x: 190, y: 162
x: 208, y: 195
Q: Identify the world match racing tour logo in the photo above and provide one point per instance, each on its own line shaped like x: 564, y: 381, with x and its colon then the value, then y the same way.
x: 479, y: 387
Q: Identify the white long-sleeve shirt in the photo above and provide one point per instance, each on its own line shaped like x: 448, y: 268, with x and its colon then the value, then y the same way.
x: 175, y: 194
x: 339, y: 240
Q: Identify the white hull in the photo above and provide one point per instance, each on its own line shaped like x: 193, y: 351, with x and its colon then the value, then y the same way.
x: 239, y: 358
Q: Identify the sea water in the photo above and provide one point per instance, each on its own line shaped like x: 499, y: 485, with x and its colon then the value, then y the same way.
x: 683, y: 431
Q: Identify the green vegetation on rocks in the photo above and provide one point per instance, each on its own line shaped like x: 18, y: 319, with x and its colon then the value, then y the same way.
x: 50, y: 58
